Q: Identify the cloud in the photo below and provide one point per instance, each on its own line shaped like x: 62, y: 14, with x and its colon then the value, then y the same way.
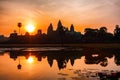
x: 79, y: 9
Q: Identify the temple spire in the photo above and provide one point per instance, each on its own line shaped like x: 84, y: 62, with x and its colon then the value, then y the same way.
x: 59, y: 26
x: 50, y: 29
x: 72, y: 28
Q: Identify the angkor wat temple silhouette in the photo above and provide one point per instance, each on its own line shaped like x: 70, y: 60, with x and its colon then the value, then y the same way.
x: 64, y: 35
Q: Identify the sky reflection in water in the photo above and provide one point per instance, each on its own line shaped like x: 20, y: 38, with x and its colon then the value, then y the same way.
x: 61, y: 65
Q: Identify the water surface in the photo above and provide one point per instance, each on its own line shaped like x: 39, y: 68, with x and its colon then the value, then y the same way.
x: 56, y: 63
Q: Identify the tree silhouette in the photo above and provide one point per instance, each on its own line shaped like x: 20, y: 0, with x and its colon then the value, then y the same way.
x: 117, y: 33
x: 117, y: 30
x: 90, y: 35
x: 19, y: 26
x: 103, y: 29
x: 19, y: 65
x: 64, y: 35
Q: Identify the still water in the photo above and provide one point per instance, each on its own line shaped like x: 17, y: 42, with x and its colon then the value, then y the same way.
x: 57, y: 63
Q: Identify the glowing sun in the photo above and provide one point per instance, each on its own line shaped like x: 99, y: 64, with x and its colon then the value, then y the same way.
x: 30, y: 28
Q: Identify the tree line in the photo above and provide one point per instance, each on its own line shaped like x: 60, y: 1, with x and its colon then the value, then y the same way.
x: 64, y: 35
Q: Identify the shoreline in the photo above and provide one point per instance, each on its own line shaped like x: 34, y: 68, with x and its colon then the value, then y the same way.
x: 81, y: 45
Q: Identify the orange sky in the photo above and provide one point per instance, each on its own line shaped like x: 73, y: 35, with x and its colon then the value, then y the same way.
x: 81, y: 13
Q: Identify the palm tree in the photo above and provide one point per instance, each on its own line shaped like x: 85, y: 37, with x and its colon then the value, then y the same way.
x: 19, y: 65
x: 19, y: 26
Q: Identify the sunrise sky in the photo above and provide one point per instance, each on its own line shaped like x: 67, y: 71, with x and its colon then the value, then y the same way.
x: 40, y: 13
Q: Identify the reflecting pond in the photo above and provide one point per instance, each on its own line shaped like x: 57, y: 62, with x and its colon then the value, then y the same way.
x: 57, y: 63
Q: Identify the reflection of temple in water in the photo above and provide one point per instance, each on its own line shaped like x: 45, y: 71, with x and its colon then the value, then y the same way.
x: 92, y: 56
x: 62, y: 57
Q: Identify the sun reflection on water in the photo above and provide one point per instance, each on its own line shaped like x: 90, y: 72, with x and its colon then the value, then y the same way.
x: 30, y: 59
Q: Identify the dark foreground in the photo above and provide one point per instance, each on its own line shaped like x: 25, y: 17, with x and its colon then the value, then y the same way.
x: 82, y: 45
